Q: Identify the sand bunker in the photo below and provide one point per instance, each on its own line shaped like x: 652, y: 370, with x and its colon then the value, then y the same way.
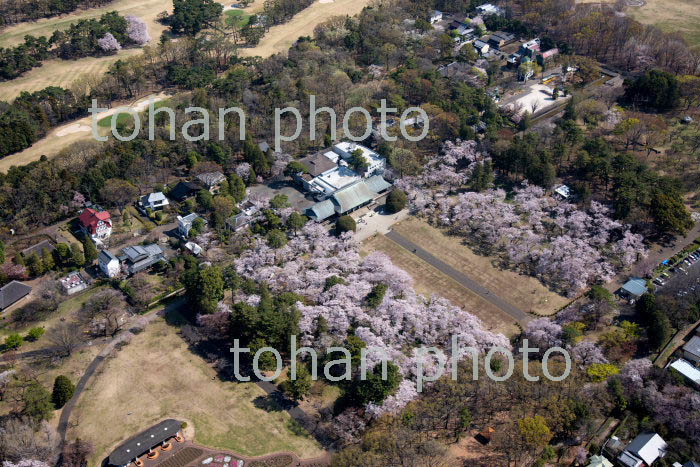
x: 70, y: 129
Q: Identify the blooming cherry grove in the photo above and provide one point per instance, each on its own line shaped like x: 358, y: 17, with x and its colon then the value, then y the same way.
x: 403, y: 320
x: 563, y: 246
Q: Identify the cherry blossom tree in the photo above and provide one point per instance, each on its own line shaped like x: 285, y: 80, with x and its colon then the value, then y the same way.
x: 25, y: 463
x: 109, y: 43
x: 543, y: 333
x: 564, y: 247
x: 587, y: 353
x: 137, y: 30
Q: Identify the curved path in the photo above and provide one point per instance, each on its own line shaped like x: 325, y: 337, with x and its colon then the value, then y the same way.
x: 301, y: 417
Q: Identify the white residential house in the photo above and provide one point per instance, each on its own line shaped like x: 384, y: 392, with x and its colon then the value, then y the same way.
x: 644, y: 450
x: 154, y: 201
x: 490, y: 9
x: 109, y: 264
x: 436, y: 17
x: 184, y: 224
x: 376, y: 163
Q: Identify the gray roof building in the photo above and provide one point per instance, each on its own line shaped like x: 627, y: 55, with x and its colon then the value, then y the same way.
x: 377, y: 184
x: 693, y: 345
x: 321, y: 211
x: 139, y: 258
x: 39, y: 248
x: 353, y: 197
x: 143, y: 442
x: 12, y: 293
x: 317, y: 163
x: 644, y: 450
x: 634, y: 288
x: 349, y: 199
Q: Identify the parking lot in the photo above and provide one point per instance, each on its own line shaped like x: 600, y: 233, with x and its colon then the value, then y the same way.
x: 681, y: 278
x: 297, y: 199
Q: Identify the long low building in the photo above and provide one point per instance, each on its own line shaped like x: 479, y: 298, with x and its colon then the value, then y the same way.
x: 144, y: 442
x: 349, y: 199
x: 13, y: 293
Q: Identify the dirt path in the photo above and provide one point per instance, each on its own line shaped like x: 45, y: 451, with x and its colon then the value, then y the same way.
x: 93, y: 367
x: 63, y: 136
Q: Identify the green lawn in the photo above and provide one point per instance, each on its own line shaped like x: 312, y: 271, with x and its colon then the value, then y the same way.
x: 240, y: 18
x: 124, y: 118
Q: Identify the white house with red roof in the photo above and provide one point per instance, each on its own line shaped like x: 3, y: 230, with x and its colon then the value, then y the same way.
x: 96, y: 224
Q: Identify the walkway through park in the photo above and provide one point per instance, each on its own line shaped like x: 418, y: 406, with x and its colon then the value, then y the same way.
x: 519, y: 315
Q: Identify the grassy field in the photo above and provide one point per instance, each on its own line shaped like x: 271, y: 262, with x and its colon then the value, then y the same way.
x: 280, y: 38
x: 156, y: 376
x: 429, y: 280
x: 65, y: 72
x: 526, y: 292
x: 145, y: 9
x: 672, y: 16
x: 62, y: 313
x: 238, y: 17
x: 61, y: 73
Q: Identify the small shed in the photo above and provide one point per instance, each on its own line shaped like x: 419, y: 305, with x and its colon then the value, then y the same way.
x: 634, y: 288
x: 563, y: 191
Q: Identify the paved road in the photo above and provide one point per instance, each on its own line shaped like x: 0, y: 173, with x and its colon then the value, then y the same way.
x: 519, y: 315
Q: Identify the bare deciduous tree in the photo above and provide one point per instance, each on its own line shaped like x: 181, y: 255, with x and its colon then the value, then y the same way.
x: 66, y: 337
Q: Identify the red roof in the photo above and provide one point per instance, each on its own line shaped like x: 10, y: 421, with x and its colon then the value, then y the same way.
x: 91, y: 218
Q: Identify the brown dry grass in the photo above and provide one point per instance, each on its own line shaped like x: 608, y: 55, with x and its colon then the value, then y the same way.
x: 65, y: 72
x: 429, y: 280
x: 672, y: 16
x: 61, y: 73
x: 280, y: 38
x: 156, y: 376
x: 525, y: 292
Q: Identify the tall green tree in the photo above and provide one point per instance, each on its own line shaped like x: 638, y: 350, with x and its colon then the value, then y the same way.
x: 375, y: 388
x: 36, y: 402
x: 192, y: 16
x: 76, y: 255
x: 204, y: 287
x: 63, y: 390
x: 299, y: 387
x: 89, y: 250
